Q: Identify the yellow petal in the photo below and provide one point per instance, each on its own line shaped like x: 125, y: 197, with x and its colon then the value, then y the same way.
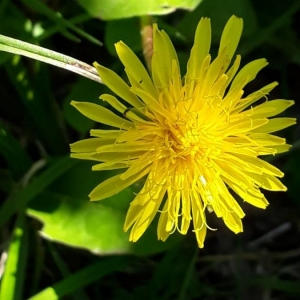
x: 200, y: 49
x: 265, y: 139
x: 114, y: 185
x: 101, y: 114
x: 186, y: 210
x: 105, y: 133
x: 233, y: 222
x: 237, y: 145
x: 157, y: 108
x: 244, y: 103
x: 230, y: 202
x: 162, y: 233
x: 246, y: 195
x: 244, y: 125
x: 230, y: 173
x: 199, y: 221
x: 243, y: 162
x: 215, y: 70
x: 248, y: 73
x: 275, y: 125
x: 136, y: 69
x: 282, y: 148
x: 231, y: 36
x: 81, y: 155
x: 117, y: 85
x: 110, y: 166
x: 167, y: 222
x: 267, y: 182
x: 230, y: 75
x: 121, y: 157
x: 269, y: 108
x: 163, y: 55
x: 271, y: 183
x: 90, y: 145
x: 114, y: 102
x: 145, y: 160
x: 148, y: 212
x: 119, y: 148
x: 261, y: 164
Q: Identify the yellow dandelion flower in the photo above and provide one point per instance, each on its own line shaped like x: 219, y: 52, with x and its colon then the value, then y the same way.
x: 196, y: 140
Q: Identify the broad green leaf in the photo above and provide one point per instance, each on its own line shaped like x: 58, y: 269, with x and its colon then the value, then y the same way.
x: 109, y: 10
x: 69, y: 217
x: 81, y: 223
x: 93, y: 226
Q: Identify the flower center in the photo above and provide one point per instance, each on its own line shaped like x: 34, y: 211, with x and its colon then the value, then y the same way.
x: 184, y: 136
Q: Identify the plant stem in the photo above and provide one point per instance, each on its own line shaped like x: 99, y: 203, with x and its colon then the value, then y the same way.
x: 147, y: 38
x: 15, y: 46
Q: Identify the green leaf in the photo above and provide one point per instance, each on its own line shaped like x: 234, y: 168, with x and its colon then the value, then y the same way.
x: 45, y: 34
x: 109, y: 10
x: 15, y: 46
x: 219, y: 14
x: 126, y: 30
x: 265, y: 33
x: 69, y: 217
x: 13, y: 277
x: 59, y: 20
x: 83, y: 277
x: 93, y: 226
x: 81, y: 223
x: 17, y: 159
x: 35, y: 93
x: 19, y: 200
x: 65, y: 271
x: 6, y: 182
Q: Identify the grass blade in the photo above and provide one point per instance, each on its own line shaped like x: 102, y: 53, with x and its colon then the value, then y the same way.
x: 20, y: 199
x: 82, y: 278
x: 59, y: 20
x: 54, y: 58
x: 13, y: 277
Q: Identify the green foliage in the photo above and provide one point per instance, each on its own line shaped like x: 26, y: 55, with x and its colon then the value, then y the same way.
x: 13, y: 278
x: 55, y: 243
x: 126, y: 30
x: 240, y: 8
x: 70, y: 218
x: 88, y: 275
x: 109, y: 10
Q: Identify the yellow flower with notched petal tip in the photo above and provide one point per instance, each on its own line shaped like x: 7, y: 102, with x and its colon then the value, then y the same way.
x: 195, y: 140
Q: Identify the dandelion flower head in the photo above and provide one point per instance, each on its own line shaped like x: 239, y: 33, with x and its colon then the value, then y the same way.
x: 195, y: 140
